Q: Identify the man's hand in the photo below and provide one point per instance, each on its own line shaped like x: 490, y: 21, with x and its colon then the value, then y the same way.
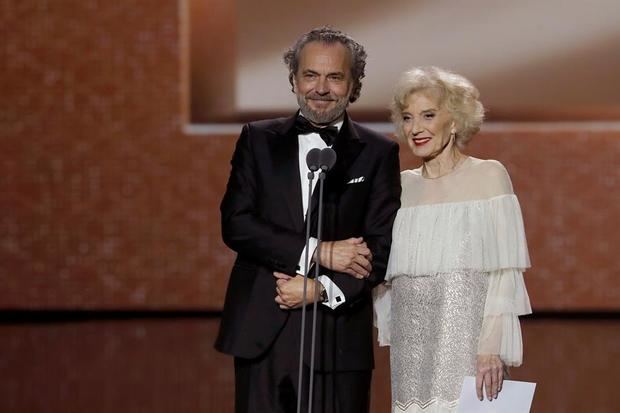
x: 490, y: 375
x: 290, y: 291
x: 350, y: 256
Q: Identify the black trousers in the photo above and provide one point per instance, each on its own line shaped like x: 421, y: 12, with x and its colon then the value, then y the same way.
x: 269, y: 383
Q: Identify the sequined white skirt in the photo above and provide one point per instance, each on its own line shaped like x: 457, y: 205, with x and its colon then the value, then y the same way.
x: 436, y: 322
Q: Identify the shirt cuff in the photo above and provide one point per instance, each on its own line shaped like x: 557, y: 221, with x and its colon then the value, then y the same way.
x: 301, y: 267
x: 335, y: 296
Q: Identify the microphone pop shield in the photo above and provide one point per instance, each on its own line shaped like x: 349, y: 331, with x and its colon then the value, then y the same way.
x: 313, y: 158
x: 328, y: 159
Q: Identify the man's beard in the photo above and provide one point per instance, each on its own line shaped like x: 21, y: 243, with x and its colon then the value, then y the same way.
x: 323, y: 117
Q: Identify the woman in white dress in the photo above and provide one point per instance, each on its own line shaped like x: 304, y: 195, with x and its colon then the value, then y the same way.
x: 454, y: 285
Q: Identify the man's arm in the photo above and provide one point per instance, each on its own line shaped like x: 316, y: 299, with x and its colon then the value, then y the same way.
x: 377, y: 232
x: 242, y: 229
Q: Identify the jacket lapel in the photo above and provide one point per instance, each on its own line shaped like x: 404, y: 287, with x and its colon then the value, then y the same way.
x: 285, y: 149
x: 348, y: 146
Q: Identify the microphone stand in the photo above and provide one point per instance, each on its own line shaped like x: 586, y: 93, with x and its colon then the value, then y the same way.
x: 312, y: 160
x: 323, y: 159
x: 304, y: 300
x: 316, y: 285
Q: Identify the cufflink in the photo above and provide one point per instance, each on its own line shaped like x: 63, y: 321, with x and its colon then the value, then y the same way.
x: 323, y: 295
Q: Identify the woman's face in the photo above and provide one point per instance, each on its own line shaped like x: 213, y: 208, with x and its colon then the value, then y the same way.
x: 426, y: 125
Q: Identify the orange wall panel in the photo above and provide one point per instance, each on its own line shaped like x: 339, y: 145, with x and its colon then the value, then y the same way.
x: 166, y: 365
x: 106, y: 204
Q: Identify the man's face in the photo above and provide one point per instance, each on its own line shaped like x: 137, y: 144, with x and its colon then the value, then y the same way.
x: 323, y: 81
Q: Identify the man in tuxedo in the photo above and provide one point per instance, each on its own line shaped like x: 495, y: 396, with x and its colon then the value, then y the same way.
x: 263, y: 220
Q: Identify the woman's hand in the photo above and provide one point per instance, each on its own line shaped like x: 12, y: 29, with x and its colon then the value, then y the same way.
x: 490, y: 374
x: 351, y: 256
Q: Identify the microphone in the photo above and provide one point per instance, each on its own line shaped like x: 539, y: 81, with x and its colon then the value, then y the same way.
x: 313, y: 158
x: 328, y: 159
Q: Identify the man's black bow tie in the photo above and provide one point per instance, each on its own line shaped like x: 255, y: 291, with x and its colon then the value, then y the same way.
x: 328, y: 133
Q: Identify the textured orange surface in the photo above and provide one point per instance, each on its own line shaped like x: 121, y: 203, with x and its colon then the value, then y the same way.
x: 105, y: 203
x: 568, y: 185
x: 163, y: 366
x: 115, y: 366
x: 573, y: 363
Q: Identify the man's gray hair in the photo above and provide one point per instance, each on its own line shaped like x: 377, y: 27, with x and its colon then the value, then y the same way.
x: 328, y: 35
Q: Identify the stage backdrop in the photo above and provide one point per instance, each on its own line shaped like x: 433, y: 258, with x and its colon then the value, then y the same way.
x: 107, y: 204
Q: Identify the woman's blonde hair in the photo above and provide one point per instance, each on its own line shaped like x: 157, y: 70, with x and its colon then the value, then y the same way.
x: 456, y: 94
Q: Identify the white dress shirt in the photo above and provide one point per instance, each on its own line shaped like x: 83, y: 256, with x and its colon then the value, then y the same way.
x: 335, y: 296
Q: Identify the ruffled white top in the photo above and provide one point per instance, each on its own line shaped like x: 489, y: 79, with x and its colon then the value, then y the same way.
x: 474, y: 205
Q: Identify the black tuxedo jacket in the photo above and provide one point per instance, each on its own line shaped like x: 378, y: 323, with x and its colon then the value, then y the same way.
x: 263, y: 221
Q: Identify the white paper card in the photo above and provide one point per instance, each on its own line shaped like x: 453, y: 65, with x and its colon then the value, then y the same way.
x: 515, y: 397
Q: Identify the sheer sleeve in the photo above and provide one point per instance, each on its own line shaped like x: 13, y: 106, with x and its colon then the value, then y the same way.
x: 382, y: 298
x: 501, y: 331
x: 506, y: 295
